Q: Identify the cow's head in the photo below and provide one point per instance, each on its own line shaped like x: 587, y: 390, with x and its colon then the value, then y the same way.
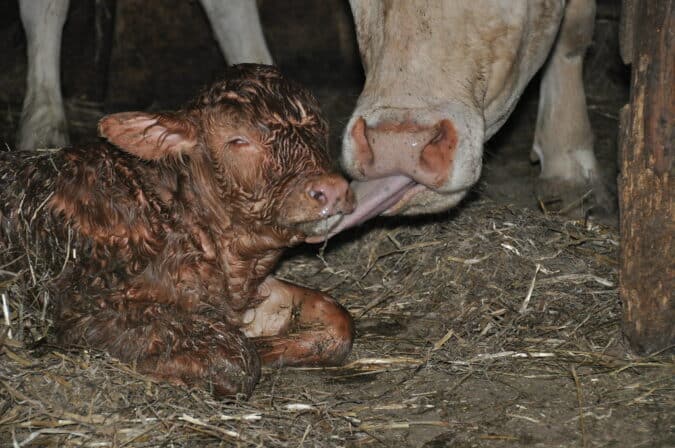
x: 255, y: 143
x: 414, y: 142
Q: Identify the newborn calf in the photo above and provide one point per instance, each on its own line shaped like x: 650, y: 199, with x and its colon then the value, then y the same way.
x: 159, y: 246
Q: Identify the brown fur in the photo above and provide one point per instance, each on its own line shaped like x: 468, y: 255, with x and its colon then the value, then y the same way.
x: 170, y: 236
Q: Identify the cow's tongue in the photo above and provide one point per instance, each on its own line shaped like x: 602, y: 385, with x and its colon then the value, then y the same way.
x: 372, y: 198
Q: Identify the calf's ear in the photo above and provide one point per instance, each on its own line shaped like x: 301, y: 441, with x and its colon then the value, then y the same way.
x: 150, y: 136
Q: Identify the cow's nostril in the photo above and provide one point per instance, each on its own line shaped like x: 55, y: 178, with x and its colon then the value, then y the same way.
x: 440, y: 135
x: 437, y: 156
x: 363, y: 153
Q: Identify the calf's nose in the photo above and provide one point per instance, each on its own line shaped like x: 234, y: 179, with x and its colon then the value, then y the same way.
x: 423, y: 153
x: 331, y: 194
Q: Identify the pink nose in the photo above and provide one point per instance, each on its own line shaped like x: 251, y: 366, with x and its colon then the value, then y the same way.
x: 330, y: 193
x: 423, y: 153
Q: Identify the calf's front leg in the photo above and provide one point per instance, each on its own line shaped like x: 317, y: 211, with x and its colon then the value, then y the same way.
x: 298, y: 326
x: 173, y: 346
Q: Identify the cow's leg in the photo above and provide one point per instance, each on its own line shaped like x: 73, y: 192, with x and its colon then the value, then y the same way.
x: 43, y: 119
x: 236, y: 24
x: 563, y: 142
x: 172, y: 346
x: 298, y: 326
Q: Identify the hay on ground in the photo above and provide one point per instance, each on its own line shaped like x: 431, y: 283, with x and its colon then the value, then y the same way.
x: 490, y: 327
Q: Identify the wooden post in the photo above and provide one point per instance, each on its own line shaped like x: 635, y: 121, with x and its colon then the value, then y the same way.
x: 646, y: 190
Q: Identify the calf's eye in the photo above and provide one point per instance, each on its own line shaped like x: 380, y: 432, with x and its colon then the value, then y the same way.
x: 237, y: 141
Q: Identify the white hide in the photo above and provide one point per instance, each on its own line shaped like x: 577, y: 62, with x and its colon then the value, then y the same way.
x: 563, y: 138
x: 43, y: 124
x: 237, y: 27
x: 43, y: 119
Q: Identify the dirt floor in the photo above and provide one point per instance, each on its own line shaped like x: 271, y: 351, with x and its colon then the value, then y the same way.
x: 494, y: 325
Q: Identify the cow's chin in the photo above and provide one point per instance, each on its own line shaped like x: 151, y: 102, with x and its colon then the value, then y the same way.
x: 390, y: 196
x: 423, y: 201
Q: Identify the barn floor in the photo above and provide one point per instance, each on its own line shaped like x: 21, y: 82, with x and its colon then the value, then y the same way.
x: 495, y: 325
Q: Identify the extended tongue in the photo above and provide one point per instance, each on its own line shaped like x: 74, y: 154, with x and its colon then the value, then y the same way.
x: 372, y: 198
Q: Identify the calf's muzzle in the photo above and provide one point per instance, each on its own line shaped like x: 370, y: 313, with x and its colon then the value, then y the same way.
x: 316, y: 203
x: 330, y: 194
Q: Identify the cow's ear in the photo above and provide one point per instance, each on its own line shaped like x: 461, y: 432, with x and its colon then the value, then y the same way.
x: 150, y: 136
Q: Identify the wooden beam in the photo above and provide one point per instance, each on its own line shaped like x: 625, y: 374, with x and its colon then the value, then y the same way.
x: 646, y: 190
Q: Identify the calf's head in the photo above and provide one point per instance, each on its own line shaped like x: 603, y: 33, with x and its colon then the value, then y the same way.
x: 255, y: 146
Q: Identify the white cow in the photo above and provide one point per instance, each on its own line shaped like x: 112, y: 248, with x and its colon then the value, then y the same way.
x: 442, y: 76
x: 43, y: 121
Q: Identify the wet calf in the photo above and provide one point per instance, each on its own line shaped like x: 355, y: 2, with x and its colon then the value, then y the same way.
x: 159, y: 245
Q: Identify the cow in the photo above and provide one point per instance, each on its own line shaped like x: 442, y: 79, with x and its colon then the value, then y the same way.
x: 158, y: 245
x: 442, y: 77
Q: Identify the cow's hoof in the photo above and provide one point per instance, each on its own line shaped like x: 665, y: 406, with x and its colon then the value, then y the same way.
x: 587, y: 200
x: 42, y: 132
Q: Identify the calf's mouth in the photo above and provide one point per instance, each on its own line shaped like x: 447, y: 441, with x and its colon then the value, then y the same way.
x: 319, y: 229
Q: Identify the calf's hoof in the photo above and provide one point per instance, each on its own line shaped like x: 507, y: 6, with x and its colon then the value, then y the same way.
x: 233, y: 375
x: 225, y: 363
